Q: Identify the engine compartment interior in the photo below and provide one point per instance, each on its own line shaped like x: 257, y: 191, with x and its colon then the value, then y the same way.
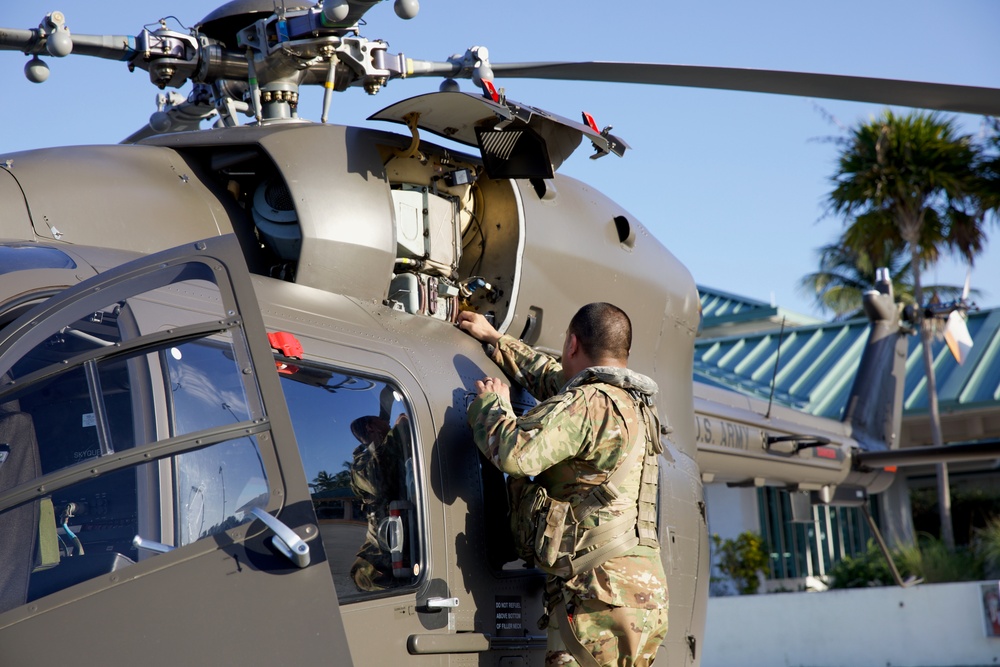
x: 456, y: 237
x: 455, y: 233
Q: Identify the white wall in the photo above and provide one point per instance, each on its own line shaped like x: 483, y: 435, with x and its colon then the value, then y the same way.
x: 731, y: 511
x: 930, y: 625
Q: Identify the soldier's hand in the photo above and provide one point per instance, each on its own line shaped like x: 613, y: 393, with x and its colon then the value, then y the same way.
x: 478, y: 327
x: 493, y: 386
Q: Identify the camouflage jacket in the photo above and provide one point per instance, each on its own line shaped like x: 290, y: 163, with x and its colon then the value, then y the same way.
x: 571, y: 442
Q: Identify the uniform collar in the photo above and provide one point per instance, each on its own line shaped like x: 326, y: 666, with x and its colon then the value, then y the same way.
x: 623, y: 378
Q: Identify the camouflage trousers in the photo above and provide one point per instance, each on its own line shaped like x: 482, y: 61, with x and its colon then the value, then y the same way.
x: 615, y: 636
x: 372, y: 569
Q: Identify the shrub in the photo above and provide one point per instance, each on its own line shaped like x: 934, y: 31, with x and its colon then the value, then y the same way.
x: 867, y: 569
x: 933, y: 562
x: 930, y: 560
x: 741, y: 559
x: 986, y: 544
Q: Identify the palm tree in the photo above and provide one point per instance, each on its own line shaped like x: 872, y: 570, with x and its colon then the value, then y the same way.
x: 324, y: 481
x: 916, y: 171
x: 847, y: 271
x: 990, y: 171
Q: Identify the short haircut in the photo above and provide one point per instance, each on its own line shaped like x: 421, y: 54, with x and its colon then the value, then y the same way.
x: 603, y: 331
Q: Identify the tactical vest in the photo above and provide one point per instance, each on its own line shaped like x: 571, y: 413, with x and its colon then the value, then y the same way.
x: 550, y: 534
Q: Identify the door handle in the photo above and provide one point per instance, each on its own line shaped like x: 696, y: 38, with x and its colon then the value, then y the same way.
x: 462, y: 642
x: 441, y: 603
x: 139, y: 542
x: 284, y: 540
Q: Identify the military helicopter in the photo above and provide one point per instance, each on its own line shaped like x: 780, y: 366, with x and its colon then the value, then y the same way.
x: 165, y: 495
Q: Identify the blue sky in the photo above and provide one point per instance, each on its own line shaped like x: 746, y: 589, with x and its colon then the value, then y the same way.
x: 732, y: 183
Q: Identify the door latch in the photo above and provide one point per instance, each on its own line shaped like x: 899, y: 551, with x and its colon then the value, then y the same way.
x: 139, y: 542
x: 442, y: 603
x: 284, y: 540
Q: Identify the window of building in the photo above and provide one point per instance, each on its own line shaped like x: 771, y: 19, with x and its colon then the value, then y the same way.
x: 809, y: 549
x: 356, y: 438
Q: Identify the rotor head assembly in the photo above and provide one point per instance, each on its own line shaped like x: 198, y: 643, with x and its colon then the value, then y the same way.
x: 252, y: 56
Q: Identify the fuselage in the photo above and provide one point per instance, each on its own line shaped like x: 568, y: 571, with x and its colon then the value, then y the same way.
x: 338, y: 225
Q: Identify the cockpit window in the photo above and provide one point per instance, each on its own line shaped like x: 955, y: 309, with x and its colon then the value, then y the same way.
x: 205, y: 386
x: 205, y: 390
x: 356, y: 438
x: 24, y: 256
x: 125, y: 433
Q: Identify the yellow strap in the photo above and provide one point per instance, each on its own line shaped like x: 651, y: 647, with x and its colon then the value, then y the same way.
x: 48, y: 540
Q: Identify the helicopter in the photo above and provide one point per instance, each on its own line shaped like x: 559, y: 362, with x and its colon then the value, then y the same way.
x: 161, y: 477
x: 769, y: 154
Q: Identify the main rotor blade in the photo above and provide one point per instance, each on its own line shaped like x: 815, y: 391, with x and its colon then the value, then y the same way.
x: 936, y: 96
x: 109, y: 47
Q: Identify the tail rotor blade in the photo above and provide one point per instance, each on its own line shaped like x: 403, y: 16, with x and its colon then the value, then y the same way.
x: 956, y: 336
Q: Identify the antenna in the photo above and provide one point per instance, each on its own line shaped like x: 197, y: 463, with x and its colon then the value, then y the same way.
x: 774, y: 375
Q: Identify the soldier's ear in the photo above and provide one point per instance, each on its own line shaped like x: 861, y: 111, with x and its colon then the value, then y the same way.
x: 572, y: 345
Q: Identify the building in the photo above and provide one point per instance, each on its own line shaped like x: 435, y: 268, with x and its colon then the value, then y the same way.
x: 759, y: 350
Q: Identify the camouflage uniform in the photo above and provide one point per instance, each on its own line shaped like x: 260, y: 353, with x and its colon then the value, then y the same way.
x: 571, y: 442
x: 376, y: 481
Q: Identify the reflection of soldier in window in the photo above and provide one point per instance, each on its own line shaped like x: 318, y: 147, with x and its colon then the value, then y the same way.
x: 378, y: 479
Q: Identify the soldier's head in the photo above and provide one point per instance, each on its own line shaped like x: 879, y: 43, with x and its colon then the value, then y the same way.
x: 600, y: 334
x: 370, y: 429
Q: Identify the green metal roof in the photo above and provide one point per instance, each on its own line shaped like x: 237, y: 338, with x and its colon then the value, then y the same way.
x: 818, y: 363
x: 722, y: 310
x: 718, y: 307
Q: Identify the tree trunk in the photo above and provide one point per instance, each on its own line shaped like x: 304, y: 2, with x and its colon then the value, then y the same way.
x: 926, y: 333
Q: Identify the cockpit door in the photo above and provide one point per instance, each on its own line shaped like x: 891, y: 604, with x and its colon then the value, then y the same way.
x: 153, y: 507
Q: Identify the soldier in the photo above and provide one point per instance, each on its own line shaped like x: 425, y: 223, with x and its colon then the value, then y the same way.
x: 606, y: 589
x: 377, y: 480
